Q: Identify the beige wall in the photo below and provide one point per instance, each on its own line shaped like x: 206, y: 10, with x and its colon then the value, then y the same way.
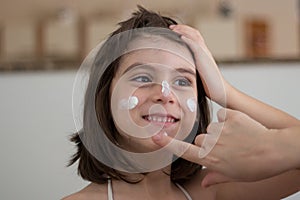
x: 19, y: 39
x: 61, y: 39
x: 98, y: 30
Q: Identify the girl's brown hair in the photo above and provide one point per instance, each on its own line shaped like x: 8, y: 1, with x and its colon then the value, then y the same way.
x: 89, y: 167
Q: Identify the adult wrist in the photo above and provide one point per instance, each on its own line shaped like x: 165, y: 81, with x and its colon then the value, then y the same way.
x: 283, y: 153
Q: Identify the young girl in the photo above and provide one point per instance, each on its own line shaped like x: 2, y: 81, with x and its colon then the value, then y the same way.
x: 143, y: 82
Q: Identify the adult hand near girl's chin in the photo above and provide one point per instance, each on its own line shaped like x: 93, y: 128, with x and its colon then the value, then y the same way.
x: 215, y: 86
x: 236, y: 148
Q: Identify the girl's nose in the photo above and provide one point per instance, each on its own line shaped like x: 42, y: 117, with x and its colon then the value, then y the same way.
x: 162, y: 94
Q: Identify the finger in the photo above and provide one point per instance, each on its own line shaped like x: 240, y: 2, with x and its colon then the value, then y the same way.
x: 182, y: 149
x: 212, y: 178
x: 203, y: 56
x: 208, y: 71
x: 221, y: 114
x: 187, y: 31
x: 200, y: 47
x: 208, y: 141
x: 200, y: 139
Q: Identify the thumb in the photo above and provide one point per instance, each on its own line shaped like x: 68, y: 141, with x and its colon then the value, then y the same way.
x: 212, y: 178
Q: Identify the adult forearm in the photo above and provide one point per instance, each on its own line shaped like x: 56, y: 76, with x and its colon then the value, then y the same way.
x: 259, y: 111
x: 287, y: 142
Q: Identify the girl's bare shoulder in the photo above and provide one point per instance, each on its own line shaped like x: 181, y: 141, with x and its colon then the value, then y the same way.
x: 91, y: 192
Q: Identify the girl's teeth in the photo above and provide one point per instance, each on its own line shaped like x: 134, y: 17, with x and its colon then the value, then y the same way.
x: 160, y: 119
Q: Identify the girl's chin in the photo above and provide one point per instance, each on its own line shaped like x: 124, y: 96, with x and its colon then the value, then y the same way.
x: 145, y: 146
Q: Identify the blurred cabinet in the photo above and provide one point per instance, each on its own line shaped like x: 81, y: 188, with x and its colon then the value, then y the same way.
x: 257, y: 38
x: 98, y: 30
x: 61, y: 39
x: 18, y: 40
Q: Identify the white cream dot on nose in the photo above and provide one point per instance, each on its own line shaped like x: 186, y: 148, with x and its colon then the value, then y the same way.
x: 165, y: 88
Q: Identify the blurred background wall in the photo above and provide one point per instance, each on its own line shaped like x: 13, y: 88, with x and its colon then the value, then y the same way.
x: 42, y: 43
x: 33, y: 32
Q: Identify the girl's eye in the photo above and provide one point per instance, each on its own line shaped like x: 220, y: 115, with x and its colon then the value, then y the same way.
x: 183, y: 82
x: 143, y: 79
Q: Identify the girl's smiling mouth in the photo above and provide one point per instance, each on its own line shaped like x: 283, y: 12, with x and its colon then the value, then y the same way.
x: 161, y: 119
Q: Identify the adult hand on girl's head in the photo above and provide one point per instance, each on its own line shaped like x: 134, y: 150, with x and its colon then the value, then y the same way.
x: 235, y: 148
x: 214, y: 84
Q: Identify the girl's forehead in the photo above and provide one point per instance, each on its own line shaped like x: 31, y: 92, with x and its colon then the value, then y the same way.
x: 156, y: 57
x: 159, y: 50
x: 157, y: 42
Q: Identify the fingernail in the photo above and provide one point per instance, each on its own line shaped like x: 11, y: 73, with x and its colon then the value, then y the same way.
x: 172, y: 26
x: 204, y: 184
x: 157, y: 137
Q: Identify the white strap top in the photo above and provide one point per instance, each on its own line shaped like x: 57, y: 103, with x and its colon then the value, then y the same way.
x: 110, y: 192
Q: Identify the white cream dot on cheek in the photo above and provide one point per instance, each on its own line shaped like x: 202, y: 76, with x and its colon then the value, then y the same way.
x: 191, y: 104
x: 132, y: 102
x: 128, y: 104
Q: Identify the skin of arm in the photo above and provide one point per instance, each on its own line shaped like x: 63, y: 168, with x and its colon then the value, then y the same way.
x: 288, y: 142
x: 269, y: 116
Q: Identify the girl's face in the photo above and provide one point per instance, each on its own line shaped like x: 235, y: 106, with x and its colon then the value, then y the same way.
x: 154, y: 90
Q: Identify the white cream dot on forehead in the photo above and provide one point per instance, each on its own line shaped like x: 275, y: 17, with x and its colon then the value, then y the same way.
x: 191, y: 104
x: 128, y: 104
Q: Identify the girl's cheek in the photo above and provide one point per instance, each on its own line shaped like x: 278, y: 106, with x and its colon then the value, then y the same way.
x: 140, y: 95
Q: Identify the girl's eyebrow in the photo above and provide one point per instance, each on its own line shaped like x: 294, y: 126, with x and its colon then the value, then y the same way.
x: 141, y: 65
x: 186, y: 70
x: 147, y: 66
